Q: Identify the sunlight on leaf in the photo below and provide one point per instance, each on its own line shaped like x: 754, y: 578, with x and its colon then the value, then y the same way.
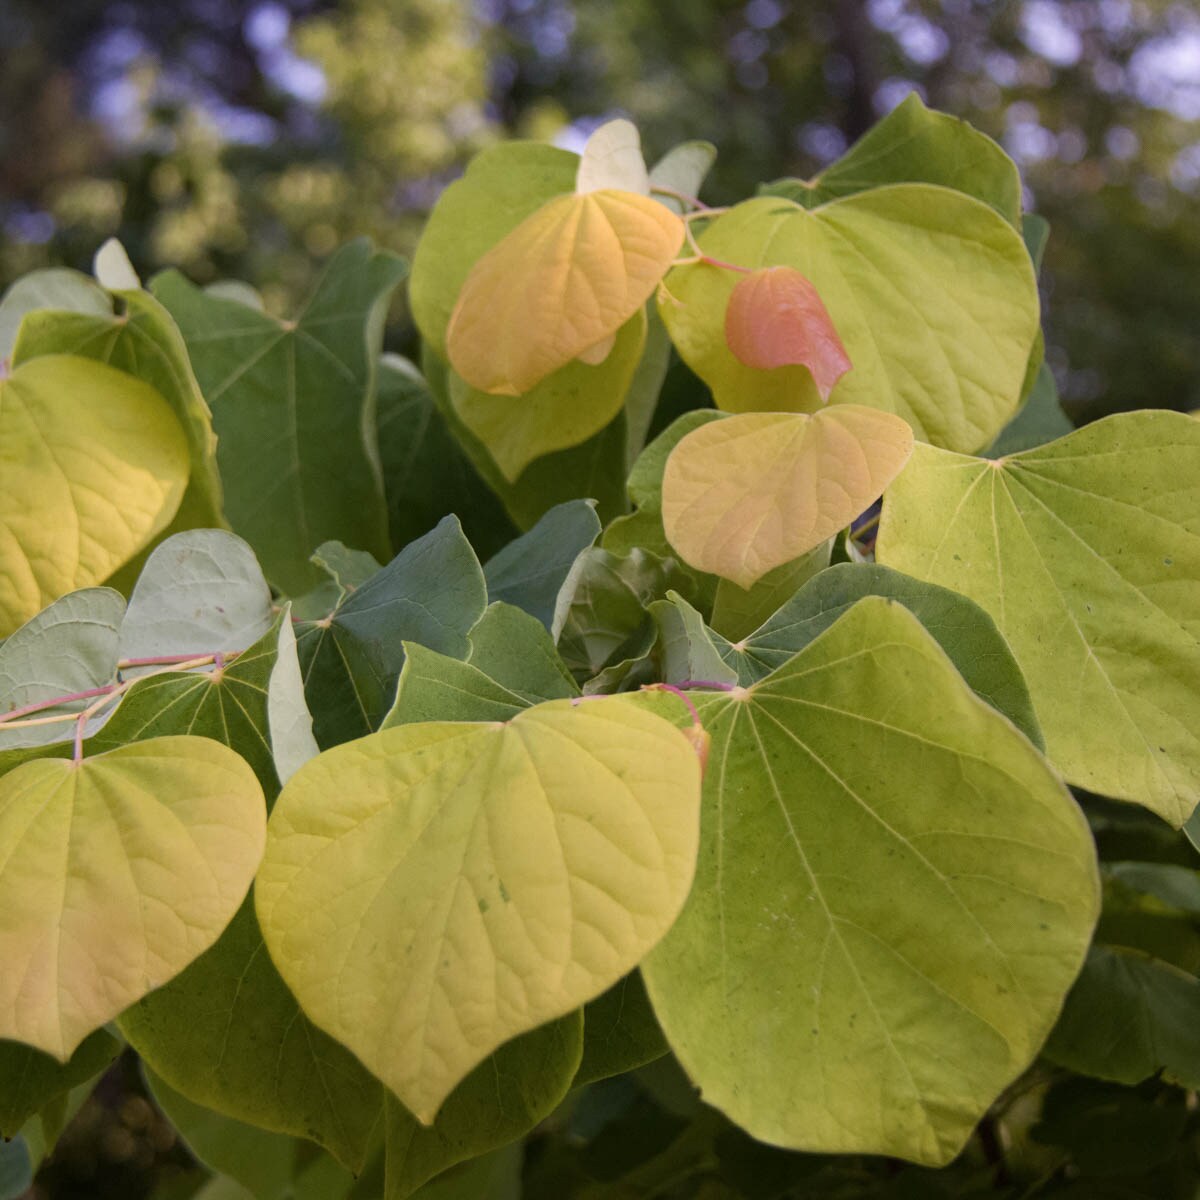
x: 747, y: 494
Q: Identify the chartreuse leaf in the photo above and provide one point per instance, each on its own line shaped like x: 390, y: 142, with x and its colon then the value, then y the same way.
x: 465, y: 883
x: 963, y: 630
x: 1129, y: 1016
x: 566, y: 278
x: 499, y: 1101
x: 502, y: 186
x: 514, y: 649
x: 53, y: 288
x: 743, y: 496
x: 199, y: 591
x: 293, y: 405
x: 893, y: 896
x: 426, y: 474
x: 914, y: 144
x: 562, y: 410
x: 30, y: 1080
x: 142, y: 341
x: 69, y: 647
x: 93, y: 466
x: 931, y: 292
x: 150, y: 847
x: 432, y: 592
x: 530, y: 571
x: 1086, y: 553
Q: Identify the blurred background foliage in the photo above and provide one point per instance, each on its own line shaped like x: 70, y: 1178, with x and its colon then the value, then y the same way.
x: 247, y: 138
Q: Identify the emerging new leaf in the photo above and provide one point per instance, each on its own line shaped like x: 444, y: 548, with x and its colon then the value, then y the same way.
x: 744, y: 495
x: 93, y: 465
x: 565, y: 279
x: 776, y: 318
x: 118, y: 872
x: 435, y: 889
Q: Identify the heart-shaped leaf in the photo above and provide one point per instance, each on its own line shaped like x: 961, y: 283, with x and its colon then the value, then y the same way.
x: 118, y: 872
x: 894, y: 894
x: 932, y: 294
x: 433, y: 890
x: 564, y: 279
x: 1086, y: 554
x: 776, y: 318
x: 612, y: 158
x: 93, y: 465
x: 747, y: 494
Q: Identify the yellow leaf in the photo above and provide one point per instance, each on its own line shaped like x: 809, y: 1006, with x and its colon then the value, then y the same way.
x: 93, y: 464
x: 116, y: 873
x: 743, y: 495
x: 433, y: 890
x: 565, y: 279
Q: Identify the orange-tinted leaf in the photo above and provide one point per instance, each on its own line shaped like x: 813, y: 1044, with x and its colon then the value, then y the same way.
x: 567, y: 278
x: 776, y: 318
x: 744, y: 495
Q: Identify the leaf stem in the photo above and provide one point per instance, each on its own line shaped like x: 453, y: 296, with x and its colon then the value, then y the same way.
x: 711, y: 684
x: 54, y: 702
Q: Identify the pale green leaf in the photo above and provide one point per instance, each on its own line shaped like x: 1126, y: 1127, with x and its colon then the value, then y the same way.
x: 433, y: 890
x: 612, y: 158
x: 894, y: 894
x: 93, y: 464
x: 682, y: 169
x: 1086, y: 553
x: 112, y: 268
x: 150, y: 847
x: 199, y: 592
x: 932, y: 293
x: 53, y: 288
x: 293, y: 405
x: 69, y: 647
x: 288, y: 718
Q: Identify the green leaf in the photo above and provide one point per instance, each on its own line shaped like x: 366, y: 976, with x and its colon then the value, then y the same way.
x: 262, y: 1161
x: 530, y: 571
x: 602, y: 613
x: 915, y: 144
x: 737, y: 612
x: 505, y: 1097
x: 30, y: 1080
x: 564, y: 409
x: 1086, y: 553
x: 69, y: 647
x: 893, y: 896
x: 121, y: 870
x: 963, y: 630
x: 199, y: 592
x: 620, y: 1032
x: 431, y: 593
x: 426, y: 475
x: 502, y: 186
x: 514, y: 649
x: 93, y: 466
x: 434, y: 687
x: 687, y: 646
x: 142, y: 341
x: 1040, y: 420
x: 229, y: 1035
x: 1129, y: 1016
x: 682, y: 169
x: 16, y: 1169
x: 54, y: 288
x: 931, y: 291
x: 293, y: 405
x: 349, y: 569
x: 594, y: 468
x: 493, y: 876
x: 288, y: 719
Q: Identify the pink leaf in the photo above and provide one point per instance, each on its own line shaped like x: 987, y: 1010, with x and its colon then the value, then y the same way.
x: 776, y: 318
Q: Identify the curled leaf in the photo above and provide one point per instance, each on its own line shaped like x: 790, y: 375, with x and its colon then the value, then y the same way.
x: 776, y: 318
x: 744, y: 495
x: 564, y: 280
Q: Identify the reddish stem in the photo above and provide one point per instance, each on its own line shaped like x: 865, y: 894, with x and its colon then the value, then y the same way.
x: 54, y: 702
x: 77, y: 755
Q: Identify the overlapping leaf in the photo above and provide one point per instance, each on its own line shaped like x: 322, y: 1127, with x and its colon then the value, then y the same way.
x: 894, y: 895
x: 1086, y: 553
x: 750, y: 493
x: 475, y: 921
x: 932, y: 294
x: 150, y: 849
x: 293, y: 405
x: 93, y: 465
